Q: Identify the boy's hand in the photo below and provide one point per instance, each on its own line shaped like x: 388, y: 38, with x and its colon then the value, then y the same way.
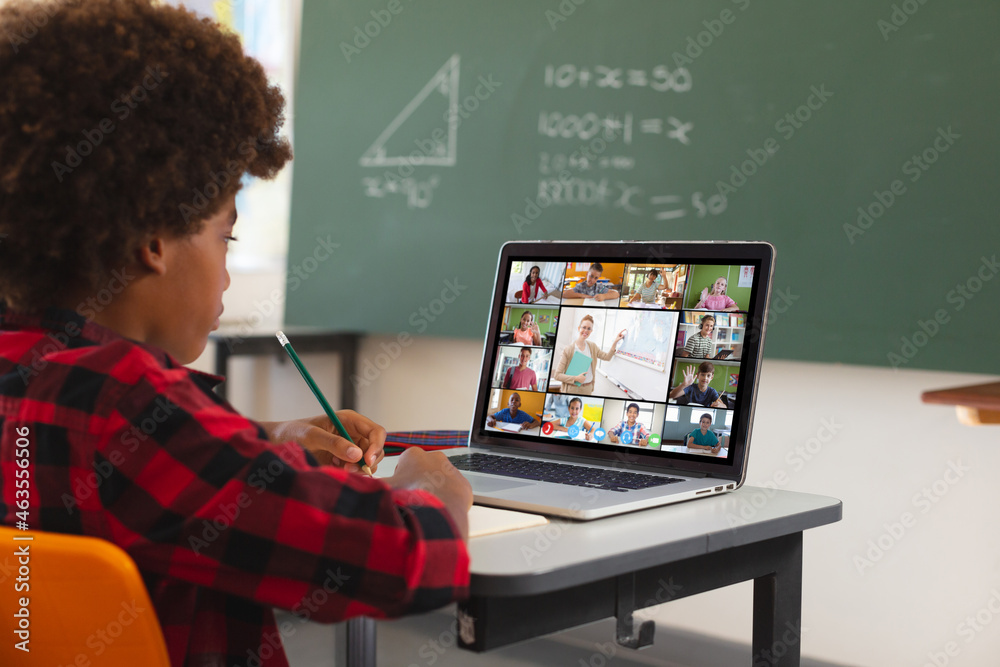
x: 433, y: 472
x: 689, y: 376
x: 319, y: 436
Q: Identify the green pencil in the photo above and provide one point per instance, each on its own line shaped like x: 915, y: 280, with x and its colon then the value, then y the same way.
x: 283, y: 339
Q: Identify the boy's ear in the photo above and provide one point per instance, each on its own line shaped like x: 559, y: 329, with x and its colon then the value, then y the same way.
x: 152, y: 255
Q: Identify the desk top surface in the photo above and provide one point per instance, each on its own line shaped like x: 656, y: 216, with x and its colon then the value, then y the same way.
x: 565, y: 553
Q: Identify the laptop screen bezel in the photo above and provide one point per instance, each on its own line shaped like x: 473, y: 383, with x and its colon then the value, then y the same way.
x: 761, y: 254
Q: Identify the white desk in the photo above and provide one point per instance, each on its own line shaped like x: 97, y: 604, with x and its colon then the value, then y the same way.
x: 536, y: 581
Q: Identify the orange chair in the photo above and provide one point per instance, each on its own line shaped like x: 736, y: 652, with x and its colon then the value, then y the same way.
x: 86, y: 604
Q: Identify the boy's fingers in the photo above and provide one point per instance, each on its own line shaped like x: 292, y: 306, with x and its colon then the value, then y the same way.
x: 329, y: 448
x: 369, y: 436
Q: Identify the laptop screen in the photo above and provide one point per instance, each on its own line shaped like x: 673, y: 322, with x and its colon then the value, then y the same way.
x: 641, y: 355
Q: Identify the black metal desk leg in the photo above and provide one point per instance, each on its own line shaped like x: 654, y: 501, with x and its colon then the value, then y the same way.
x: 222, y: 366
x: 360, y: 642
x: 348, y: 370
x: 777, y: 608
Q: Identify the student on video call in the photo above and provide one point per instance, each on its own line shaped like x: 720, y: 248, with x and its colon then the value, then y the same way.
x: 699, y: 392
x: 512, y: 414
x: 700, y: 344
x: 589, y: 288
x: 716, y: 298
x: 527, y: 332
x: 647, y: 291
x: 630, y: 425
x: 584, y: 382
x: 702, y: 437
x: 521, y: 377
x: 574, y: 419
x: 533, y: 289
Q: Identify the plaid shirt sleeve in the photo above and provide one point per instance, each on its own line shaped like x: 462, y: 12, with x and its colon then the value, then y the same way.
x: 195, y: 492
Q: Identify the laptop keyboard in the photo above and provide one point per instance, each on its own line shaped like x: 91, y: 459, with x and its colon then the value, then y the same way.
x: 560, y: 473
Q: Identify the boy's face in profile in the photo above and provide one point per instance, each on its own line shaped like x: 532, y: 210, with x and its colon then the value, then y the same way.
x: 704, y: 378
x: 187, y: 291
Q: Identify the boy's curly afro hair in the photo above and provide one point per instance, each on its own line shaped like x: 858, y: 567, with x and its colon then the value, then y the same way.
x: 118, y: 119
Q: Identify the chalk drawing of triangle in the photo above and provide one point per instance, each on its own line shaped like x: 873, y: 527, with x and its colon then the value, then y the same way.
x: 435, y: 153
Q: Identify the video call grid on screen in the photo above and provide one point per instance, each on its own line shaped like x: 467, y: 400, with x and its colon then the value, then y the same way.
x: 667, y: 342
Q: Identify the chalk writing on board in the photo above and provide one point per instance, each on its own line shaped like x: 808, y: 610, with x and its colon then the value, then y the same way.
x: 586, y: 126
x: 442, y: 147
x: 418, y: 193
x: 554, y: 163
x: 632, y: 199
x: 660, y: 78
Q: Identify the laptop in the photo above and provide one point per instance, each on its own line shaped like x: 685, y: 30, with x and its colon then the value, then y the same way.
x: 617, y: 376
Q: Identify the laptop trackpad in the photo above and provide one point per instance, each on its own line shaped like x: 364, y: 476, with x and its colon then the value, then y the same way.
x: 490, y: 484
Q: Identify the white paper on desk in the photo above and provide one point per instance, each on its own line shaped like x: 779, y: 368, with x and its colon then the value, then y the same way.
x: 582, y: 437
x: 508, y: 426
x: 548, y: 300
x: 490, y: 520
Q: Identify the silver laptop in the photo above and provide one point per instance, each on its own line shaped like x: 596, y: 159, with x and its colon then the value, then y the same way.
x: 617, y: 376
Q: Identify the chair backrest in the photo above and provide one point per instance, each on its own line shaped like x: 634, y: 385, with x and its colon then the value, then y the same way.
x: 85, y: 603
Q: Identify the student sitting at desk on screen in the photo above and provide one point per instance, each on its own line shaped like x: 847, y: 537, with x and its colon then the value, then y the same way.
x: 583, y: 383
x: 512, y: 414
x: 574, y: 419
x: 700, y: 344
x: 527, y: 332
x: 521, y: 377
x: 702, y: 438
x: 100, y: 384
x: 716, y: 298
x: 589, y: 288
x: 638, y: 435
x: 699, y: 393
x: 647, y: 291
x: 533, y: 285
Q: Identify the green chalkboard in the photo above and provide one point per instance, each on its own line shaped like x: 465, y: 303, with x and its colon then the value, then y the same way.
x: 858, y: 137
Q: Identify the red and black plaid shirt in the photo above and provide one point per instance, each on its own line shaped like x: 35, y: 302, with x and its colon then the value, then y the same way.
x: 129, y: 446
